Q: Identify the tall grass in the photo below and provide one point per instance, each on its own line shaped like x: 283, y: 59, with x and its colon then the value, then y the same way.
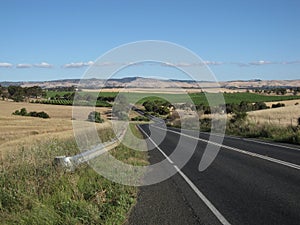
x: 33, y: 191
x: 279, y: 133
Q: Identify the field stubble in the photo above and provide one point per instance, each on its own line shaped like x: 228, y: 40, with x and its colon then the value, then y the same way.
x: 283, y: 116
x: 17, y: 131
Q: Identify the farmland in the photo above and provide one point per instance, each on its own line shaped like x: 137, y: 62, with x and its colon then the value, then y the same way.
x: 283, y: 116
x: 19, y: 131
x: 197, y: 98
x: 32, y: 186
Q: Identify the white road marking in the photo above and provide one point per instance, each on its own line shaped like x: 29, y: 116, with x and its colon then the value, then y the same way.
x: 245, y: 139
x: 256, y: 141
x: 164, y: 154
x: 212, y: 208
x: 271, y: 144
x: 288, y: 164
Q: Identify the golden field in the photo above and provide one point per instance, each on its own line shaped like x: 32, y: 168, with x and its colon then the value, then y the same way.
x: 284, y: 116
x: 21, y: 132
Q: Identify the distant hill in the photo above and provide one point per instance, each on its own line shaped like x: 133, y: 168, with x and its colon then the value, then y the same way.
x: 139, y: 82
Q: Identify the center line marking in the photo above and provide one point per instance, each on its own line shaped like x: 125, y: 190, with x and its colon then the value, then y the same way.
x: 281, y: 162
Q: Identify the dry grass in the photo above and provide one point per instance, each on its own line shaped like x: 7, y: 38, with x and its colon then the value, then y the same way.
x: 284, y: 116
x: 19, y: 131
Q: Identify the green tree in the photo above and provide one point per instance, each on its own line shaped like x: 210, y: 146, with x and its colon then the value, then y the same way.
x: 16, y: 93
x: 23, y: 112
x: 95, y: 116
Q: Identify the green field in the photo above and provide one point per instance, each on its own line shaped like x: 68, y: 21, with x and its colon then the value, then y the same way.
x: 197, y: 98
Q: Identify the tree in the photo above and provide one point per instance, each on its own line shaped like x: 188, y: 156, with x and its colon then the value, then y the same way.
x: 16, y: 93
x: 95, y: 116
x: 259, y: 106
x: 158, y: 106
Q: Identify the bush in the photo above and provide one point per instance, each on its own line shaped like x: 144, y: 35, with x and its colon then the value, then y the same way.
x: 23, y: 112
x: 95, y: 116
x: 238, y: 117
x: 43, y: 115
x: 159, y: 106
x: 260, y: 106
x: 278, y: 105
x: 140, y: 118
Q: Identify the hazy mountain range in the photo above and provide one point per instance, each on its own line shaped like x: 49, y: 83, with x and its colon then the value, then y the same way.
x: 139, y: 82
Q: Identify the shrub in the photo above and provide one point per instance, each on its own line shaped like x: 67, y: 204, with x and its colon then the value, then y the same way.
x: 23, y: 112
x: 238, y: 116
x: 278, y: 105
x: 43, y: 115
x: 95, y: 116
x: 140, y: 118
x: 260, y: 106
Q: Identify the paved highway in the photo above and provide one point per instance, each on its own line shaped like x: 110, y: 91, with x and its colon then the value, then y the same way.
x: 249, y: 182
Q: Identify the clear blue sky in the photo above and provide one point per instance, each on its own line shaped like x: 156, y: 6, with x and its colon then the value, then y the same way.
x: 46, y: 40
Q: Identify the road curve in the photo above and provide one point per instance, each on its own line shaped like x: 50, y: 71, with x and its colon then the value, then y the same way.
x: 237, y: 188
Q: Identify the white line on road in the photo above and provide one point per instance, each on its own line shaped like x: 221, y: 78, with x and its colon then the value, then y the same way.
x: 288, y: 164
x: 271, y: 144
x: 164, y: 154
x: 245, y: 139
x: 213, y: 209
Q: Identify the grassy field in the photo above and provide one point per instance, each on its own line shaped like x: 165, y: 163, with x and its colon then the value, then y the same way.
x: 33, y: 191
x: 19, y: 131
x: 283, y: 116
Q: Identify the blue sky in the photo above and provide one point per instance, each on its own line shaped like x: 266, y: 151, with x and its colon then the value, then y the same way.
x: 47, y: 40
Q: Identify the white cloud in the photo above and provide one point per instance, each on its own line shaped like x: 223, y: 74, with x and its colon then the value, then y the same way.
x: 43, y: 65
x: 261, y: 62
x: 5, y: 65
x: 187, y: 64
x: 23, y: 65
x: 78, y: 64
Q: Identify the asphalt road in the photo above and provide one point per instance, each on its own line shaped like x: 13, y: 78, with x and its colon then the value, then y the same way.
x: 249, y: 182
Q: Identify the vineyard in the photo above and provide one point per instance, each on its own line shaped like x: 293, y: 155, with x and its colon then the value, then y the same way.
x: 197, y: 98
x: 70, y: 102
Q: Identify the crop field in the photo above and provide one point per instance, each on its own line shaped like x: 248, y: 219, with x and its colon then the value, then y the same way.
x: 283, y: 116
x: 197, y: 98
x: 70, y: 102
x: 19, y: 131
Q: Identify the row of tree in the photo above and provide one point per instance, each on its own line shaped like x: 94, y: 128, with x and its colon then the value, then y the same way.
x: 19, y: 94
x: 87, y: 97
x: 278, y: 90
